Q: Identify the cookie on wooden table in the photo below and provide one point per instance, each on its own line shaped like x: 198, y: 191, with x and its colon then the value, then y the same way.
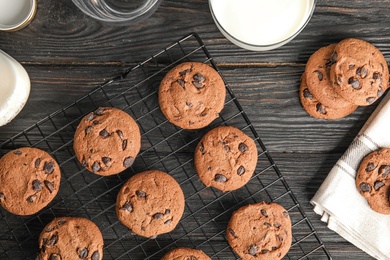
x: 107, y: 141
x: 192, y: 95
x: 150, y: 203
x: 373, y: 180
x: 70, y: 238
x: 29, y: 180
x: 182, y: 253
x: 359, y: 71
x: 318, y: 80
x: 316, y: 109
x: 225, y: 158
x: 260, y: 231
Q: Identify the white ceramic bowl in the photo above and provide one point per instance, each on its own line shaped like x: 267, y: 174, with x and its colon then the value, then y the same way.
x: 14, y: 88
x: 16, y: 14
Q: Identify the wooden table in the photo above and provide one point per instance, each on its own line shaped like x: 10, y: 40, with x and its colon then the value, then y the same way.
x: 67, y: 54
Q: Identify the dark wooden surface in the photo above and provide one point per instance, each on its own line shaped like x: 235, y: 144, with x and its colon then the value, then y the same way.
x: 67, y: 53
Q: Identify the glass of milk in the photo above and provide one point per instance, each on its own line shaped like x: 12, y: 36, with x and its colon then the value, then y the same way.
x: 14, y: 87
x: 16, y: 14
x: 261, y: 25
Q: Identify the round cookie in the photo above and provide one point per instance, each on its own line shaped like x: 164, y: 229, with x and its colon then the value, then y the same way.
x: 316, y: 109
x: 107, y: 141
x: 260, y: 231
x: 150, y: 203
x: 70, y: 238
x: 192, y: 95
x: 318, y: 81
x: 373, y: 180
x: 29, y: 180
x: 359, y: 71
x: 182, y: 253
x: 225, y: 158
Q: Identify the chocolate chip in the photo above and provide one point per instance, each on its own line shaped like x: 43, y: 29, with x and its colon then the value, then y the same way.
x: 199, y: 77
x: 339, y: 79
x: 37, y: 162
x: 379, y: 93
x: 333, y: 57
x: 169, y: 221
x: 362, y: 72
x: 54, y: 257
x: 184, y: 72
x: 88, y: 130
x: 384, y: 170
x: 264, y: 212
x: 120, y: 134
x: 370, y: 167
x: 90, y: 117
x: 124, y: 145
x: 128, y: 207
x: 370, y: 100
x: 354, y: 82
x: 96, y: 167
x: 320, y: 108
x: 61, y: 222
x: 280, y: 238
x: 378, y: 185
x: 252, y: 250
x: 48, y: 167
x: 32, y: 198
x: 197, y: 84
x: 181, y: 83
x: 96, y: 122
x: 240, y: 170
x: 140, y: 194
x: 192, y: 257
x: 53, y: 240
x: 285, y: 214
x: 104, y: 133
x: 220, y: 178
x: 351, y: 66
x: 2, y: 196
x: 99, y: 111
x: 307, y: 94
x: 201, y: 148
x: 95, y: 256
x: 231, y: 231
x: 242, y: 147
x: 106, y: 161
x: 190, y: 122
x: 37, y: 185
x: 167, y: 211
x: 277, y: 225
x: 319, y: 74
x: 83, y: 253
x: 158, y: 216
x: 376, y: 75
x: 267, y: 224
x: 227, y: 149
x: 365, y: 187
x: 17, y: 152
x: 264, y: 251
x: 127, y: 162
x: 189, y: 104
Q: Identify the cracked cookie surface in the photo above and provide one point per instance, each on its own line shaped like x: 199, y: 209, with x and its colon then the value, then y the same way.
x: 29, y: 180
x: 192, y: 95
x: 107, y: 141
x: 150, y: 203
x: 225, y: 158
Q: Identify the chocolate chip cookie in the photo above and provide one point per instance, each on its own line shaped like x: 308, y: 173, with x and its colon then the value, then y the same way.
x: 29, y: 180
x: 318, y: 79
x: 107, y: 141
x: 70, y: 238
x: 150, y: 203
x: 225, y: 158
x: 318, y: 110
x: 192, y: 95
x: 185, y: 254
x: 260, y: 231
x: 373, y: 180
x: 359, y: 71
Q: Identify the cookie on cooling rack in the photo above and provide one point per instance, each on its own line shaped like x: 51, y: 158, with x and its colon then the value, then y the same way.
x: 150, y: 203
x: 70, y: 238
x: 359, y: 71
x: 260, y: 231
x: 29, y: 180
x: 107, y: 141
x: 192, y: 95
x: 182, y: 253
x: 225, y: 158
x: 373, y: 180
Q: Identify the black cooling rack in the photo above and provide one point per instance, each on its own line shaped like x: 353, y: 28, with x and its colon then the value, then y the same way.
x: 164, y: 147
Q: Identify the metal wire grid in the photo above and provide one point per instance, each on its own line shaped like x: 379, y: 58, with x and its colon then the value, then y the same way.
x: 164, y: 147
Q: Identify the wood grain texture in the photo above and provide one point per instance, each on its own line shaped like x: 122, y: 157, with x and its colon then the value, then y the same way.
x: 67, y: 54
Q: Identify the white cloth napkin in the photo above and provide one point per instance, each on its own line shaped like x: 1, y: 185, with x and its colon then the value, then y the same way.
x: 339, y: 203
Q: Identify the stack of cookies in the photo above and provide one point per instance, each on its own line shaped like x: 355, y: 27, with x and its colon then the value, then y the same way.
x: 340, y: 77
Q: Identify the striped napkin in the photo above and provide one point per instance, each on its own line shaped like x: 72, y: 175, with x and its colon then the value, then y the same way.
x: 338, y: 201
